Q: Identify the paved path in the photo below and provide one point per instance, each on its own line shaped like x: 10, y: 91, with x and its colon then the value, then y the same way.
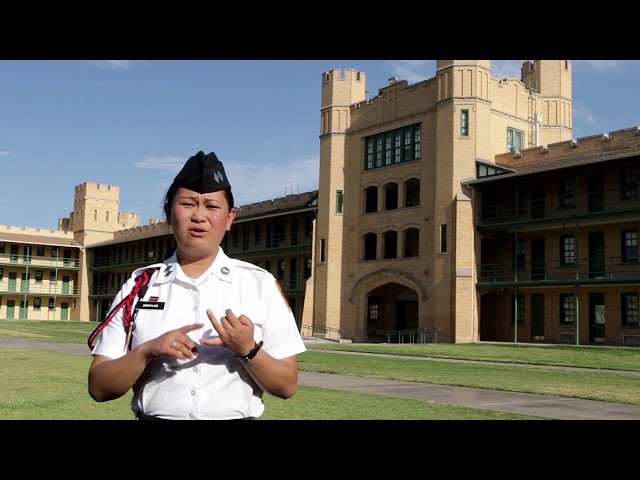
x: 559, y: 408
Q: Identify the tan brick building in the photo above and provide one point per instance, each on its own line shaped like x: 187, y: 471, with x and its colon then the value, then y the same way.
x: 395, y: 236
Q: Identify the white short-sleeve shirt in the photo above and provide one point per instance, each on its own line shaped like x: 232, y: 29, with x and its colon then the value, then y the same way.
x: 214, y: 384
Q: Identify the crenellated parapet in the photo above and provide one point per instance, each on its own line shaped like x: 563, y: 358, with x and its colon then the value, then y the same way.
x: 620, y: 140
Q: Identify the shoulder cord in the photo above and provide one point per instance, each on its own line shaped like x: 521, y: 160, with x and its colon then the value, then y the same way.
x: 139, y: 289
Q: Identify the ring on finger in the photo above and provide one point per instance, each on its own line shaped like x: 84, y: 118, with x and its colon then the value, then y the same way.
x: 174, y: 344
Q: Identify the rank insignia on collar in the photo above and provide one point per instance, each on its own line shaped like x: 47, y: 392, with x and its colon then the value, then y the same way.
x: 224, y: 271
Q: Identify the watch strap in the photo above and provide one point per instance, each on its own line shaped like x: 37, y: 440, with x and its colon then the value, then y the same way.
x: 252, y: 352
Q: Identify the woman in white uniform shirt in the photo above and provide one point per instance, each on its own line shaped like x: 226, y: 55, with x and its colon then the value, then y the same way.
x: 210, y: 333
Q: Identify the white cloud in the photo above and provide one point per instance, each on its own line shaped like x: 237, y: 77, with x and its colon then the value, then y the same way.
x: 5, y: 153
x: 412, y: 70
x: 601, y: 64
x: 506, y: 69
x: 170, y: 164
x: 115, y: 64
x: 417, y: 70
x: 582, y: 114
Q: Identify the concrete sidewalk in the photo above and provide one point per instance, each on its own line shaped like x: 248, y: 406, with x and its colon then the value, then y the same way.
x: 559, y: 408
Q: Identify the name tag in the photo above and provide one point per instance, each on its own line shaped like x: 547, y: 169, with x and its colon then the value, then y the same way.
x: 150, y: 306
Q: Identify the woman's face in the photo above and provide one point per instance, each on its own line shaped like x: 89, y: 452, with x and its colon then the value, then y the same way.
x: 199, y: 221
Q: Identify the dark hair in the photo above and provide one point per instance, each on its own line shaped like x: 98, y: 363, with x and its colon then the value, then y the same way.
x: 168, y: 198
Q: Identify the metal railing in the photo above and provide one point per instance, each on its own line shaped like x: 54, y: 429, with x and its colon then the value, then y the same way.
x: 580, y: 269
x: 412, y: 335
x: 320, y: 331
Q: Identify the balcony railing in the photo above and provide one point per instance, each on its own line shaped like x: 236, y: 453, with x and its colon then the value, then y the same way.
x: 34, y: 261
x: 507, y: 212
x: 54, y: 289
x: 582, y: 269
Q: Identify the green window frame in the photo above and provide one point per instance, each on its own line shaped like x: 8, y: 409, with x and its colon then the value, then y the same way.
x: 629, y: 303
x: 515, y: 139
x: 464, y: 123
x: 517, y: 308
x: 567, y: 309
x: 392, y: 147
x: 339, y: 202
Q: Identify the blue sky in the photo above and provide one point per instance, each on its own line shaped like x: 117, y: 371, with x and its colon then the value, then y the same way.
x: 134, y: 123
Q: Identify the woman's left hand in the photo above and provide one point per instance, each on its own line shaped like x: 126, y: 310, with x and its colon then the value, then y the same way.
x: 234, y: 333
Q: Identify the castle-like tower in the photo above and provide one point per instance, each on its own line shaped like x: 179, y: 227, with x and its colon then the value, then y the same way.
x: 339, y: 93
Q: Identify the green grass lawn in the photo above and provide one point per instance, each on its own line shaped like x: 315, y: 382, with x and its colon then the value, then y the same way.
x: 41, y: 384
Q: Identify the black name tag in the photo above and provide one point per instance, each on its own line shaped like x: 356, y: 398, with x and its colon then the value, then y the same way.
x: 150, y: 306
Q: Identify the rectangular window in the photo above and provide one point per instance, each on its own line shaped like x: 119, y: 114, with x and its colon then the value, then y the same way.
x: 295, y: 228
x: 52, y: 304
x: 388, y: 148
x: 443, y: 238
x: 567, y: 250
x: 245, y: 238
x: 234, y: 237
x: 417, y: 142
x: 518, y: 254
x: 280, y: 274
x: 464, y: 123
x: 514, y: 140
x: 54, y: 252
x: 517, y: 309
x: 307, y: 267
x: 628, y: 183
x: 2, y: 247
x: 322, y: 242
x: 53, y: 278
x: 629, y: 247
x: 37, y: 303
x: 293, y: 273
x: 395, y: 146
x: 368, y: 161
x: 630, y: 309
x: 40, y: 250
x: 39, y: 276
x: 257, y: 234
x: 267, y: 265
x: 308, y: 227
x: 339, y: 201
x: 1, y: 273
x: 567, y: 309
x: 567, y: 191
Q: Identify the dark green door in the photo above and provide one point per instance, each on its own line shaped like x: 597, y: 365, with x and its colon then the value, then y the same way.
x: 11, y: 306
x: 64, y: 311
x: 24, y: 284
x: 537, y: 316
x: 596, y: 255
x: 24, y: 307
x: 596, y: 191
x: 537, y: 259
x: 13, y: 278
x: 537, y: 200
x: 65, y: 284
x: 596, y: 318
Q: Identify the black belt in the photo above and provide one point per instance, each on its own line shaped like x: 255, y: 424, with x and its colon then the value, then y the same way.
x: 144, y: 416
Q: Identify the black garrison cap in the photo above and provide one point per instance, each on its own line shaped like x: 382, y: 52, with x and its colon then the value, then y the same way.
x: 203, y: 174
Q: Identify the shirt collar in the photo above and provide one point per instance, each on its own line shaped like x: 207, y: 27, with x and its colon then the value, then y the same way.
x: 222, y: 268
